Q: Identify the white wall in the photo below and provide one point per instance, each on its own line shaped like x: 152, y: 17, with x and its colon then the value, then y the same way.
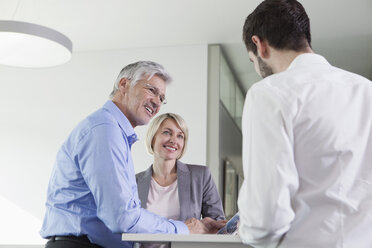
x: 39, y: 107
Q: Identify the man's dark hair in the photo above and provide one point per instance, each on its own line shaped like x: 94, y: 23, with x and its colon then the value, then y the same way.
x: 284, y: 24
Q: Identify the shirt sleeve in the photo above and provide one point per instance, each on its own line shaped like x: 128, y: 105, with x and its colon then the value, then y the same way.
x: 211, y: 203
x: 104, y: 158
x: 270, y: 174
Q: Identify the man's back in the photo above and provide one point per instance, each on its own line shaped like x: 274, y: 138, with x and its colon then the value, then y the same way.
x: 323, y: 157
x: 333, y: 155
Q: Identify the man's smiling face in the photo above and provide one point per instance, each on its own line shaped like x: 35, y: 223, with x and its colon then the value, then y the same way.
x: 141, y: 104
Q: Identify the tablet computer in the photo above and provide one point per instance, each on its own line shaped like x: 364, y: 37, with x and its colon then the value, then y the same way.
x: 231, y: 226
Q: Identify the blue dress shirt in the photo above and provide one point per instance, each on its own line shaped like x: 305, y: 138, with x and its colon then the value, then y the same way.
x: 92, y: 189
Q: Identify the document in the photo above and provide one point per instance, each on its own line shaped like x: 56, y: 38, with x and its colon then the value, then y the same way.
x: 231, y: 226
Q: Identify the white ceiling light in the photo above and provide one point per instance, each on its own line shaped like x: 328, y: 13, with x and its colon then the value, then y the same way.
x: 30, y: 45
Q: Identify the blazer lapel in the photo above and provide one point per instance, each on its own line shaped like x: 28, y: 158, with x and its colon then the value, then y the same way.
x: 144, y: 186
x: 183, y: 180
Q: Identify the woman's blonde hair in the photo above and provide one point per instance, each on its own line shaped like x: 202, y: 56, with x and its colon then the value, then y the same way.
x: 155, y: 125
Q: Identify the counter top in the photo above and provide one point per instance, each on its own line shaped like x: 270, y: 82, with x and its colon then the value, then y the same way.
x: 209, y: 238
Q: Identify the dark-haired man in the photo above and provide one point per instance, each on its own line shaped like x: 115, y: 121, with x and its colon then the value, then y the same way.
x: 307, y: 140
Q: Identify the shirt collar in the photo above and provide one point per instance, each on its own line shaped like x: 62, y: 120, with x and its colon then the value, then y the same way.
x: 307, y: 58
x: 122, y: 120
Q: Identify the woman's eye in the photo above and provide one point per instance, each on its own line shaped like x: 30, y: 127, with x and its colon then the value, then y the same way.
x: 180, y: 137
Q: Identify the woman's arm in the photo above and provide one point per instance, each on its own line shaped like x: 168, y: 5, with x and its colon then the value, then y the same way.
x: 211, y: 203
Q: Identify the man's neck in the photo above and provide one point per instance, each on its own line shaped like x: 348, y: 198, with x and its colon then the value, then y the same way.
x: 119, y: 103
x: 281, y: 59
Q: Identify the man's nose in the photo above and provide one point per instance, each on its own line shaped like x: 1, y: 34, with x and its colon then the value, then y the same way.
x: 157, y: 100
x: 155, y: 103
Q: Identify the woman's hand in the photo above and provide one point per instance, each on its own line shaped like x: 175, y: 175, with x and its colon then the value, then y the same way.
x: 213, y: 225
x: 204, y: 226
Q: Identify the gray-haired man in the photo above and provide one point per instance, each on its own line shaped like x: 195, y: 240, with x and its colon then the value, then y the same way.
x: 92, y: 194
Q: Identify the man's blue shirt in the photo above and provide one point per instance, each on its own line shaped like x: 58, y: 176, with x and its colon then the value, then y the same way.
x: 93, y: 191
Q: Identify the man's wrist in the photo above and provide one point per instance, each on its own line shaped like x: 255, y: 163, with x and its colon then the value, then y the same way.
x: 181, y: 228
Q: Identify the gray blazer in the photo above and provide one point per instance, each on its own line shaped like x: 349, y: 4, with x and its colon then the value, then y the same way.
x: 197, y: 191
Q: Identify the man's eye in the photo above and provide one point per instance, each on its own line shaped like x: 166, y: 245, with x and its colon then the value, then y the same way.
x: 153, y: 91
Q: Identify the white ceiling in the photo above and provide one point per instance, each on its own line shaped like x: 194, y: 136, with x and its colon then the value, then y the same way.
x: 341, y: 29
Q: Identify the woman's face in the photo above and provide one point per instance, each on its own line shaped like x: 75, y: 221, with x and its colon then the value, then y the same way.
x: 169, y: 140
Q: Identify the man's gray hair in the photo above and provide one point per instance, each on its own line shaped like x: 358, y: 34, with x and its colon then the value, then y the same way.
x: 138, y: 71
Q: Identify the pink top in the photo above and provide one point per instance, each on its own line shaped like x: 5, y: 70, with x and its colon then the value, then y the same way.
x: 164, y: 201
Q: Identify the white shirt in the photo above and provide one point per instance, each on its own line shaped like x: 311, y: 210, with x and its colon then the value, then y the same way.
x: 164, y: 201
x: 307, y: 158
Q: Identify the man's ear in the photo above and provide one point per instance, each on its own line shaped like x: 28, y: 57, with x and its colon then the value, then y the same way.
x: 262, y: 46
x: 123, y: 85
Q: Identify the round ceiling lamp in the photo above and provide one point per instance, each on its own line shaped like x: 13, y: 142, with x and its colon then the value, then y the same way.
x: 24, y: 44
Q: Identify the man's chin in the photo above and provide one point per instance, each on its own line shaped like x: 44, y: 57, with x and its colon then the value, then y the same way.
x: 146, y: 120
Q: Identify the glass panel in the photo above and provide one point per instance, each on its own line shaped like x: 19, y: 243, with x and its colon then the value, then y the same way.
x: 227, y: 87
x: 230, y: 93
x: 230, y: 190
x: 239, y: 103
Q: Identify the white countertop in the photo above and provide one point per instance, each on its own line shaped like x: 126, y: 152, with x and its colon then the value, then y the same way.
x: 210, y: 238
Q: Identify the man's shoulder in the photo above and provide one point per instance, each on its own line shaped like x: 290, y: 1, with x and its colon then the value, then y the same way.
x: 99, y: 118
x: 352, y: 77
x: 276, y: 86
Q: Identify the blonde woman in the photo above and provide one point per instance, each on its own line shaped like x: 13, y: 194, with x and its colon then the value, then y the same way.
x: 169, y: 187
